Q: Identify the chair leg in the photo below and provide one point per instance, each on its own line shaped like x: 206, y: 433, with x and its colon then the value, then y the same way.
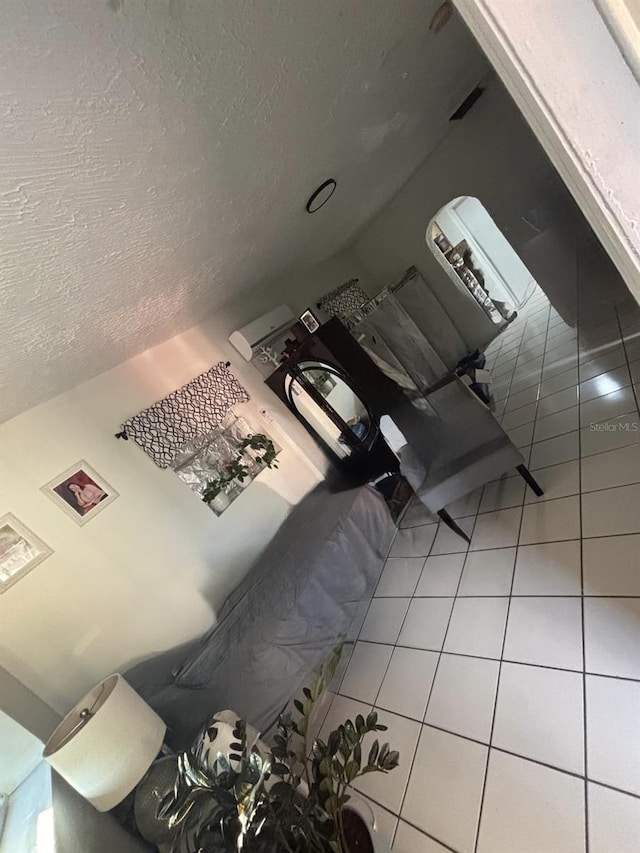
x: 530, y: 481
x: 444, y: 515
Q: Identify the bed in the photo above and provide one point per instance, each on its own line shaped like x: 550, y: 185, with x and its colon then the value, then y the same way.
x: 303, y: 595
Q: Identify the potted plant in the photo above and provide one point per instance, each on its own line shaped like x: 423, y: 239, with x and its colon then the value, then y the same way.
x: 214, y: 494
x: 238, y: 471
x: 266, y: 451
x: 291, y: 798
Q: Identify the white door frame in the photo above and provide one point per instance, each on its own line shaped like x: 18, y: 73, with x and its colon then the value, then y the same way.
x: 563, y: 68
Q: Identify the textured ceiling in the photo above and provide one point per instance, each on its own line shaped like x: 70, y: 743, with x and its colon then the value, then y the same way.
x: 155, y: 158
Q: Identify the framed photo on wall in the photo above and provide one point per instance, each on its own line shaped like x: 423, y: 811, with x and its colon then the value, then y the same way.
x: 80, y: 492
x: 20, y: 551
x: 309, y: 321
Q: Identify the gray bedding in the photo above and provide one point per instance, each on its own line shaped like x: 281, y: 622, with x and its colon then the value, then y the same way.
x: 298, y: 600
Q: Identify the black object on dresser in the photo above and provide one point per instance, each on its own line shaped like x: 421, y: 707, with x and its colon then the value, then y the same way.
x: 338, y: 394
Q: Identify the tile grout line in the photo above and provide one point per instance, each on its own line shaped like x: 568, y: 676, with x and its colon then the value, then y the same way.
x: 394, y: 645
x: 634, y: 390
x: 440, y: 652
x: 582, y: 622
x: 501, y: 749
x: 504, y: 642
x: 506, y: 660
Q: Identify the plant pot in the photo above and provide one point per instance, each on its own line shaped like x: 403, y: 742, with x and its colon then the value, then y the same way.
x: 357, y: 833
x: 220, y: 502
x: 242, y: 484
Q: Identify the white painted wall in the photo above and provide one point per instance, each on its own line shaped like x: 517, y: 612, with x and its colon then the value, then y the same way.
x: 152, y: 568
x: 20, y: 752
x: 491, y: 154
x: 573, y: 79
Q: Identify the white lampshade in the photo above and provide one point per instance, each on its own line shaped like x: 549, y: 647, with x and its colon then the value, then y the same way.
x: 104, y: 754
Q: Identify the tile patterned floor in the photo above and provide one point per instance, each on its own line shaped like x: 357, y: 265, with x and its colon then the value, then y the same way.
x: 509, y: 672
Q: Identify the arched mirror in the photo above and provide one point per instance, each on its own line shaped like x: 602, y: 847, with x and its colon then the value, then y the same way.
x: 328, y: 403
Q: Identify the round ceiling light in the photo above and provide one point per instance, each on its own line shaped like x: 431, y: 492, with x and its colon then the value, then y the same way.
x: 320, y: 196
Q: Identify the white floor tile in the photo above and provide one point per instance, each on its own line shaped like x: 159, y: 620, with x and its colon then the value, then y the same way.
x: 605, y: 358
x: 557, y: 424
x: 551, y: 384
x: 557, y: 481
x: 606, y: 383
x: 607, y: 470
x: 525, y: 383
x: 488, y: 572
x: 634, y: 369
x: 410, y: 840
x: 417, y: 514
x: 540, y: 715
x: 523, y: 415
x: 549, y: 569
x: 613, y: 745
x: 408, y: 681
x: 384, y: 619
x: 465, y: 506
x: 503, y: 494
x: 445, y: 787
x: 611, y: 511
x: 440, y: 575
x: 477, y: 627
x: 614, y: 821
x: 518, y: 793
x: 496, y: 529
x: 522, y: 398
x: 611, y: 565
x: 463, y: 696
x: 567, y: 368
x: 549, y: 521
x: 610, y: 406
x: 414, y: 541
x: 554, y: 451
x: 448, y: 541
x: 388, y: 788
x: 622, y: 431
x: 342, y: 709
x: 399, y: 577
x: 559, y: 401
x: 426, y: 623
x: 365, y: 671
x: 545, y: 631
x: 612, y: 636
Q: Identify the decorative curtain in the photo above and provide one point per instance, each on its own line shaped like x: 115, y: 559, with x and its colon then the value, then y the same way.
x: 344, y: 300
x: 187, y: 413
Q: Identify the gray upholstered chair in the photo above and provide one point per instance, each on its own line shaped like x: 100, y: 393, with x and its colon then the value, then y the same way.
x: 449, y: 444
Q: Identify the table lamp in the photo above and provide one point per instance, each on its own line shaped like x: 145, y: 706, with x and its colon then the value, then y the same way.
x: 106, y: 744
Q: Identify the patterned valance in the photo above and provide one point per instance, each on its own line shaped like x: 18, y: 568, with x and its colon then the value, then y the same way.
x: 344, y: 300
x: 191, y: 411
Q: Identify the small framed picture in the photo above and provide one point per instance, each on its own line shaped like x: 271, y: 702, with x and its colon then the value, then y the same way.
x: 80, y: 492
x: 309, y: 321
x: 20, y: 551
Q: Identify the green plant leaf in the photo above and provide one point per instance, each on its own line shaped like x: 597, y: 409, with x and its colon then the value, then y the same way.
x: 333, y: 742
x: 326, y: 766
x: 357, y: 754
x: 297, y: 704
x: 359, y: 723
x: 372, y: 719
x: 384, y: 751
x: 392, y: 760
x: 351, y: 770
x: 373, y: 752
